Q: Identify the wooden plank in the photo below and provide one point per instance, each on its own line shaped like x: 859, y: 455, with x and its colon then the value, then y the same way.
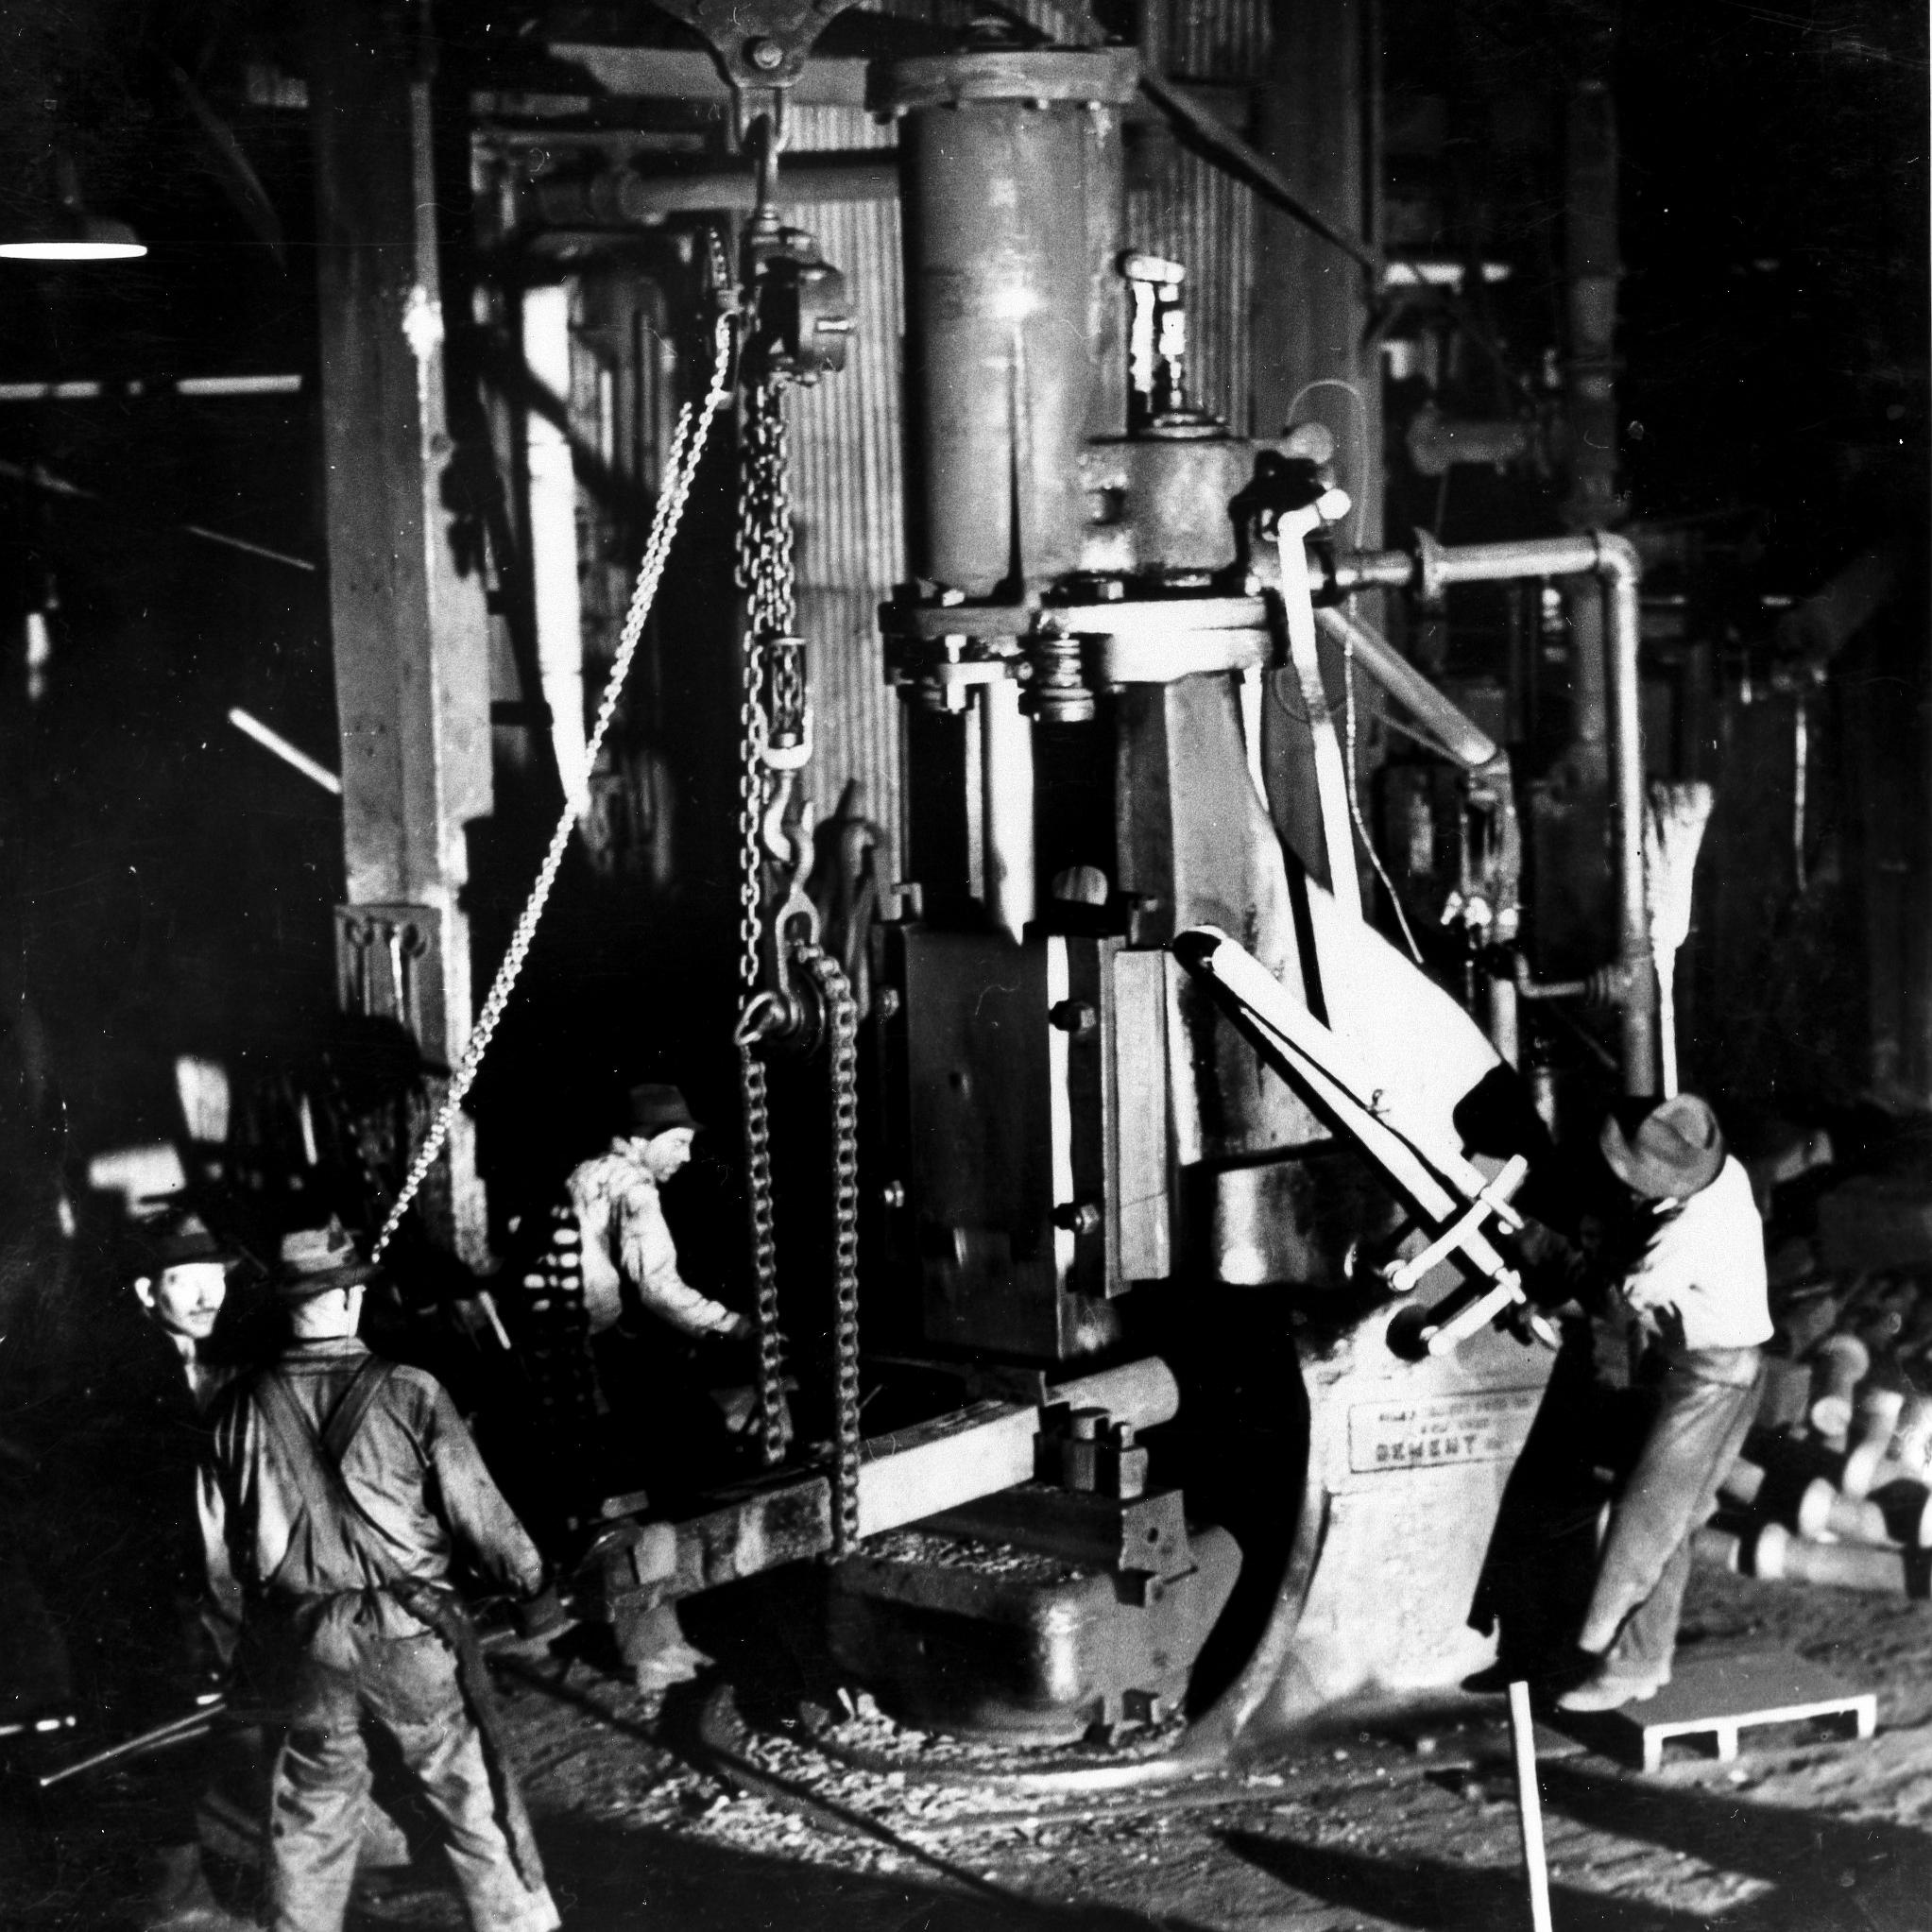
x: 952, y: 1459
x: 972, y: 1453
x: 1722, y: 1694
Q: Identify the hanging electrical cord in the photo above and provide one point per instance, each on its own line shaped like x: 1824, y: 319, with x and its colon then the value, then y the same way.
x: 687, y: 449
x: 1362, y: 830
x: 1358, y: 470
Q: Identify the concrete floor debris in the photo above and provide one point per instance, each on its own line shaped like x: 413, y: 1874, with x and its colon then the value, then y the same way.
x: 722, y: 1811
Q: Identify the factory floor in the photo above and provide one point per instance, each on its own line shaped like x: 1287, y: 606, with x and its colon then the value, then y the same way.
x: 706, y: 1811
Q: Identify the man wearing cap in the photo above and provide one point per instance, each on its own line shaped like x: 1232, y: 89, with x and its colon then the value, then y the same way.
x: 612, y: 1334
x: 1699, y: 1292
x: 620, y: 1218
x: 336, y: 1492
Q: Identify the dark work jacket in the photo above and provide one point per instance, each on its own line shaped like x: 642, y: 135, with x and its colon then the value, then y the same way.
x: 412, y: 1469
x: 118, y: 1482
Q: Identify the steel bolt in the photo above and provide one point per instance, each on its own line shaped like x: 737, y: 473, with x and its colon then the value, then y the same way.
x: 1080, y: 1217
x: 1076, y: 1017
x: 766, y: 56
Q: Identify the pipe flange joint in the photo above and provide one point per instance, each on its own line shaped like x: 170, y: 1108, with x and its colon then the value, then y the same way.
x: 1431, y: 568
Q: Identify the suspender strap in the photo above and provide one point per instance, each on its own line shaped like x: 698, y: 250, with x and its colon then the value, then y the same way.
x: 345, y: 1421
x: 314, y: 1464
x: 313, y: 1460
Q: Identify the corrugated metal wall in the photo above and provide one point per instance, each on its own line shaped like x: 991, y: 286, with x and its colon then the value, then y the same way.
x: 1193, y: 214
x: 847, y: 490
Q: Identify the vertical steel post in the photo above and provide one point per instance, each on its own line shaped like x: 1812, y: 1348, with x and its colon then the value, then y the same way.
x: 553, y: 581
x: 1317, y: 120
x: 410, y: 630
x: 1592, y: 270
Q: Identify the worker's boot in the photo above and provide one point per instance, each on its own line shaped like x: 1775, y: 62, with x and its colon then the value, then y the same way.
x: 179, y: 1899
x: 1607, y: 1691
x: 658, y: 1653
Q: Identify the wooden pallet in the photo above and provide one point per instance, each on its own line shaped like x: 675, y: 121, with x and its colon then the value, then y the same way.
x: 1719, y: 1694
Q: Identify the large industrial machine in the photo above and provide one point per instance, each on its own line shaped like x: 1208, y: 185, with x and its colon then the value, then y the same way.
x: 1157, y: 1209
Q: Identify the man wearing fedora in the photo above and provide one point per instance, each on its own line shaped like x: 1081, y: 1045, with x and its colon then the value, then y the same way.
x: 178, y: 1273
x: 158, y: 1366
x: 1697, y: 1292
x: 337, y: 1489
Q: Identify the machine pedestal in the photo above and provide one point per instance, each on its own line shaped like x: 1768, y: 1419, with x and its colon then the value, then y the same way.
x: 1408, y: 1465
x: 987, y: 1640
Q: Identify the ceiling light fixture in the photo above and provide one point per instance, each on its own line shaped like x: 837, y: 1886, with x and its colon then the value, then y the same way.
x: 69, y: 232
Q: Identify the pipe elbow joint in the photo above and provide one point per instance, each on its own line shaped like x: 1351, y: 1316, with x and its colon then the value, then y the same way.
x: 1617, y: 562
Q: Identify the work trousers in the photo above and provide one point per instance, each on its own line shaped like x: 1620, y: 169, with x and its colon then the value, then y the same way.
x: 1706, y: 1405
x: 407, y: 1688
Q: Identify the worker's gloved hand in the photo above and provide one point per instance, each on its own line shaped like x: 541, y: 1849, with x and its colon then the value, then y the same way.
x: 744, y: 1416
x: 541, y: 1615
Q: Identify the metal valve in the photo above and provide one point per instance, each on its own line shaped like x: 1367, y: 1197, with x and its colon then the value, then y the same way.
x: 1157, y: 339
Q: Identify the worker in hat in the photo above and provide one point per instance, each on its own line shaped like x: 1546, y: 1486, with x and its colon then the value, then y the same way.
x: 160, y: 1352
x: 1697, y: 1292
x: 177, y: 1272
x: 619, y: 1220
x: 622, y: 1350
x: 335, y: 1493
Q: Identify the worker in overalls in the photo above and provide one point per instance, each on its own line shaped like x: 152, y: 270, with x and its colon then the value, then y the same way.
x: 1696, y: 1289
x: 335, y: 1491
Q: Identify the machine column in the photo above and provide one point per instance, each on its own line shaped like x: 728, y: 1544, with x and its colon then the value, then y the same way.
x: 411, y: 629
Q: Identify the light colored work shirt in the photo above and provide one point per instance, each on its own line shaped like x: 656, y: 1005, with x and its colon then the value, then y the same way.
x: 624, y: 1234
x: 1705, y: 1269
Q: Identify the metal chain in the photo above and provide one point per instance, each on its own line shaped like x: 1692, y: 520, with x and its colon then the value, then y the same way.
x: 764, y: 1254
x: 765, y: 577
x: 687, y: 449
x: 765, y: 570
x: 842, y: 1014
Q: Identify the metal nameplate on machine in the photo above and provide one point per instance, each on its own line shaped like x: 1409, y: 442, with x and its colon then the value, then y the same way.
x: 1487, y: 1426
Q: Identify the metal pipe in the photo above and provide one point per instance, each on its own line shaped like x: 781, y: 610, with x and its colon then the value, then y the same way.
x: 1459, y: 735
x: 1505, y: 1021
x: 632, y: 198
x: 1012, y: 215
x: 555, y: 592
x: 273, y: 741
x: 1619, y: 572
x: 114, y: 388
x: 1437, y: 442
x: 1612, y: 560
x: 38, y: 477
x: 1006, y: 774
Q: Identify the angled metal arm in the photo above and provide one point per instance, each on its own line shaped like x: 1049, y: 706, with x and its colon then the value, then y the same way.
x: 1451, y: 1195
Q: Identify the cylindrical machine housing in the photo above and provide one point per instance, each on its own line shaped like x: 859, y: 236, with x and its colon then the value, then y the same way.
x: 1016, y: 310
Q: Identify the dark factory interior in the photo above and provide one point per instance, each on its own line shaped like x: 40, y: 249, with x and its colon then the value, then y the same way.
x: 966, y: 963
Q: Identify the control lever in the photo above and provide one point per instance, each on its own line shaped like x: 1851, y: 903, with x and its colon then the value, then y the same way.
x: 1451, y: 1194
